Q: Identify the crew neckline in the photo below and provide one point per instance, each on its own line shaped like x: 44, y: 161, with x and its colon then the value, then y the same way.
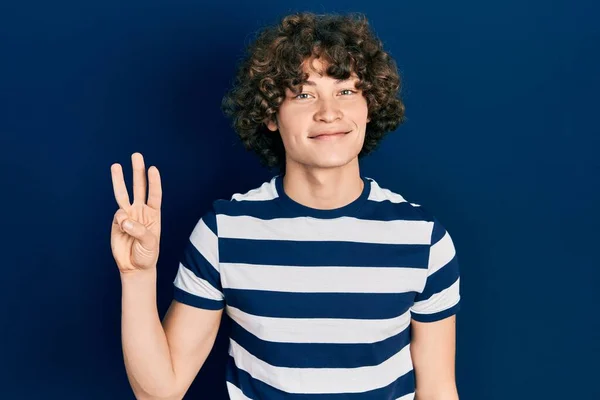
x: 349, y: 209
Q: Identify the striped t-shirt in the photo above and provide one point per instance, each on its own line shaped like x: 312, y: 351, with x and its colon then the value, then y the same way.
x: 321, y: 301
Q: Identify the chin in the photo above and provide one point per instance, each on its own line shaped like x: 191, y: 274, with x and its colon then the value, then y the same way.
x: 333, y: 162
x: 325, y: 159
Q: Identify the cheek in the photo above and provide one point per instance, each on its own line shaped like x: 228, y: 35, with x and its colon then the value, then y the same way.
x: 359, y: 112
x: 292, y: 125
x: 294, y: 121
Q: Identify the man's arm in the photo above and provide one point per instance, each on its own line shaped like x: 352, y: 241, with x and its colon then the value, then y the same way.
x: 162, y: 360
x: 191, y: 334
x: 433, y: 349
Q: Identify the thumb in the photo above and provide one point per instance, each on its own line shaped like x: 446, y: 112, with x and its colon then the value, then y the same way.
x: 140, y: 232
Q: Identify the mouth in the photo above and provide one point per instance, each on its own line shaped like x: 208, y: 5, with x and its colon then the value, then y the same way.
x: 331, y: 135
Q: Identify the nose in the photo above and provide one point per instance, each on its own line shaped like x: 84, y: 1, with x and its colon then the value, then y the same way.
x: 328, y: 111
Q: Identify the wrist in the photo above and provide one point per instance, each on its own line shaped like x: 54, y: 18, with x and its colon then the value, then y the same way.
x: 138, y: 276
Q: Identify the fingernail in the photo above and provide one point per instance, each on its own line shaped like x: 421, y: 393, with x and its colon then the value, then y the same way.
x: 127, y: 225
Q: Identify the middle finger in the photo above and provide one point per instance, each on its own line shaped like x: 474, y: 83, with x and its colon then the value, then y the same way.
x: 139, y: 178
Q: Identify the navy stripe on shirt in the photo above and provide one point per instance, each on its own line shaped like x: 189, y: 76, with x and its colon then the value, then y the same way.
x: 320, y: 253
x: 320, y: 305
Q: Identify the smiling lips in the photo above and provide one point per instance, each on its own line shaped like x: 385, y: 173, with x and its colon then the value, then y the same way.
x: 330, y: 135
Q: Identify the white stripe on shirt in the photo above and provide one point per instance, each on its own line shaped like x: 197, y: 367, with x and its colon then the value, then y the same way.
x: 441, y: 253
x: 283, y: 278
x: 323, y: 380
x: 319, y: 330
x: 206, y: 242
x: 343, y: 229
x: 186, y: 280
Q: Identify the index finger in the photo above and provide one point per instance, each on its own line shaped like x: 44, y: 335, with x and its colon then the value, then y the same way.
x: 119, y: 187
x: 155, y: 190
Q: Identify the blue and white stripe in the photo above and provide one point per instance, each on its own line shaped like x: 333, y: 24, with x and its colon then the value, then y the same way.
x: 321, y: 304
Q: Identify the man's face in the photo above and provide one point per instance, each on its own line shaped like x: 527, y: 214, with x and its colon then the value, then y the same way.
x: 307, y: 121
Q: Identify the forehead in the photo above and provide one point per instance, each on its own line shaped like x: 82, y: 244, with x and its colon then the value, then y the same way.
x: 316, y: 68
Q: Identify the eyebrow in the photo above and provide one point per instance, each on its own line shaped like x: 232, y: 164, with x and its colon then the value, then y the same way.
x: 311, y: 83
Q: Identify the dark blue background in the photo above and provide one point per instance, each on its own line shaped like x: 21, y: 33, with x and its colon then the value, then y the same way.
x: 501, y: 144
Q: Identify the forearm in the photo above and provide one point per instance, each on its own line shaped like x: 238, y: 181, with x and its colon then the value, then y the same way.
x: 145, y: 347
x: 445, y: 394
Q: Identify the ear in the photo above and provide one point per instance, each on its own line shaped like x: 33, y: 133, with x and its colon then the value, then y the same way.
x: 272, y: 125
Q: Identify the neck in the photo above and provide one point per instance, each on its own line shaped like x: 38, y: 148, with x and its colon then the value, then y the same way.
x: 323, y: 188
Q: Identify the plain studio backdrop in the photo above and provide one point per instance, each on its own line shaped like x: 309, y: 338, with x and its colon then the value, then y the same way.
x: 501, y: 144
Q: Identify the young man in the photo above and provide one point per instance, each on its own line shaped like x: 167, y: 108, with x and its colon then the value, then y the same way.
x: 336, y: 287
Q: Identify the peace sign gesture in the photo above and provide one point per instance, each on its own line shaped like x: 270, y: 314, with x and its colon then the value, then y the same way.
x: 135, y: 233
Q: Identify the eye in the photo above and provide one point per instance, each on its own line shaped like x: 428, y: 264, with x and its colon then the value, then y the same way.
x: 348, y: 90
x: 301, y: 94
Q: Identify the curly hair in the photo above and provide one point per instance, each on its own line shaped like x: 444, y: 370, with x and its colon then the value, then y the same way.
x: 274, y: 62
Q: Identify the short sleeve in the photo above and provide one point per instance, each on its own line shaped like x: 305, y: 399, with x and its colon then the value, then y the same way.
x: 440, y: 297
x: 198, y: 280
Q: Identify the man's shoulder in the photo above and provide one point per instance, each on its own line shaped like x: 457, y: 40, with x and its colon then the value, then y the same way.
x: 239, y: 202
x: 391, y: 204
